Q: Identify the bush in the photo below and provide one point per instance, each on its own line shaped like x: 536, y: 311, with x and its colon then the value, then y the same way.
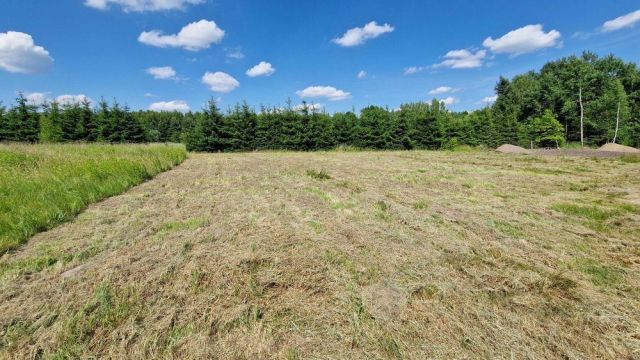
x: 546, y: 131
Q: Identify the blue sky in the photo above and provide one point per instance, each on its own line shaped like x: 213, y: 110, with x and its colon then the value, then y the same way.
x: 312, y: 50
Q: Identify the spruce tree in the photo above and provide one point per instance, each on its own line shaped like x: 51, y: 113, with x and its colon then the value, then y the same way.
x: 24, y: 121
x: 51, y: 124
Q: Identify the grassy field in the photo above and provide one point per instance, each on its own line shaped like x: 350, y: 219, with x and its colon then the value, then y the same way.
x: 45, y: 185
x: 383, y: 255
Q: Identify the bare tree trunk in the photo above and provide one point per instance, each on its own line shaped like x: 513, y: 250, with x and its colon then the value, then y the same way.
x: 581, y: 118
x: 615, y: 136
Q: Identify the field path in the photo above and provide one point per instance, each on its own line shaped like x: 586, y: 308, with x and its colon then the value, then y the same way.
x: 397, y: 255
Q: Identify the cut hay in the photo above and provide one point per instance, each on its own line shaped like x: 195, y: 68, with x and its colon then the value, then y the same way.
x: 619, y: 148
x: 512, y: 149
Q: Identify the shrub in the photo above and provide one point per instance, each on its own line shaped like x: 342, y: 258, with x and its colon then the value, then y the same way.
x: 546, y: 131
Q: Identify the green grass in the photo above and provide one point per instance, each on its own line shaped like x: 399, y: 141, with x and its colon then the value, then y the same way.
x: 600, y: 274
x: 42, y: 186
x: 318, y: 175
x: 589, y: 212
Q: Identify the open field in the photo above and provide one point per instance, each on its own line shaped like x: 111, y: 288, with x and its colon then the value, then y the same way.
x: 390, y: 255
x: 45, y: 185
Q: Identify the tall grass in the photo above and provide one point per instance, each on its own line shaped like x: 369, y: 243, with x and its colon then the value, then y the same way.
x: 42, y: 186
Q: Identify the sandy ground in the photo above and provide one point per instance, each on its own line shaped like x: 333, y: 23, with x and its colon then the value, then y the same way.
x: 408, y: 255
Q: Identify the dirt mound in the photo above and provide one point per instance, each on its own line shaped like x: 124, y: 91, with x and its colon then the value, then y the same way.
x: 512, y: 149
x: 619, y: 148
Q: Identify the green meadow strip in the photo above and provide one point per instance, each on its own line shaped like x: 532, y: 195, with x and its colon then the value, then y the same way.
x: 42, y: 186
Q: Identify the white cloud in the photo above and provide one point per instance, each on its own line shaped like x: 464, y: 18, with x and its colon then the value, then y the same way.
x: 310, y: 107
x: 359, y: 35
x: 449, y: 100
x: 149, y: 95
x: 262, y: 69
x: 39, y: 99
x: 463, y: 59
x: 36, y: 98
x: 624, y: 21
x: 175, y: 105
x: 162, y: 73
x: 362, y: 74
x: 143, y: 5
x: 193, y: 37
x: 524, y: 40
x: 235, y: 53
x: 72, y: 99
x: 19, y: 54
x: 490, y: 99
x: 414, y: 70
x: 220, y: 82
x: 328, y: 92
x: 443, y: 90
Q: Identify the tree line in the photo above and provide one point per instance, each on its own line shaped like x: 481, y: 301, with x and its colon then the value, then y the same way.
x: 586, y: 98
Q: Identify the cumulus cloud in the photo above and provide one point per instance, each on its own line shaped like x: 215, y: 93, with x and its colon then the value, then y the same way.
x: 463, y: 59
x: 73, y: 99
x: 175, y: 105
x: 262, y: 69
x: 220, y: 82
x: 36, y: 98
x: 359, y: 35
x: 443, y: 90
x: 309, y: 107
x: 414, y: 70
x: 524, y: 40
x: 449, y: 100
x: 162, y: 73
x: 328, y: 92
x: 624, y: 21
x: 362, y: 74
x: 490, y: 99
x: 235, y: 53
x: 19, y: 54
x: 143, y: 5
x: 195, y: 36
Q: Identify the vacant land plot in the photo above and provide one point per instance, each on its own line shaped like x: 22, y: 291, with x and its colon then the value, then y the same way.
x: 44, y: 185
x: 341, y: 255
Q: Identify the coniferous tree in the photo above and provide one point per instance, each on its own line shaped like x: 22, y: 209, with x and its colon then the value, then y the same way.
x: 51, y: 123
x: 3, y: 123
x: 23, y: 121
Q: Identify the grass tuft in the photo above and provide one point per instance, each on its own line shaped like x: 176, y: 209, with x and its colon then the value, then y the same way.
x: 318, y: 175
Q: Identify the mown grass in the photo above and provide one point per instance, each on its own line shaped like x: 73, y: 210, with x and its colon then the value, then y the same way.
x: 247, y: 256
x: 42, y: 186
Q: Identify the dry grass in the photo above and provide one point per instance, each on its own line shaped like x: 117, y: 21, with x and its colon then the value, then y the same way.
x: 396, y: 255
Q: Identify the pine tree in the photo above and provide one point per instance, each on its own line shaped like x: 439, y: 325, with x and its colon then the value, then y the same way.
x: 132, y: 129
x: 428, y: 132
x: 4, y: 123
x: 86, y: 128
x: 23, y: 121
x: 196, y: 139
x: 51, y: 124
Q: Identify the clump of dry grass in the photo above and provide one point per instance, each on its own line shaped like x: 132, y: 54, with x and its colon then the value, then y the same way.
x: 247, y: 256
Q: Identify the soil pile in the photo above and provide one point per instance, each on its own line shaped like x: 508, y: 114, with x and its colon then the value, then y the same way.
x: 512, y: 149
x: 619, y: 148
